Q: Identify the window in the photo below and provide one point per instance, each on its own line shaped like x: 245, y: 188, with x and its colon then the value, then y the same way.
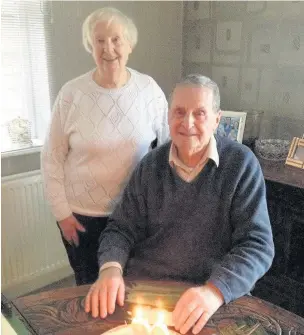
x: 25, y: 102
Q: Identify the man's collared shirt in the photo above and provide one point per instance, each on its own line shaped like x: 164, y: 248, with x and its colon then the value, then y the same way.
x: 188, y: 173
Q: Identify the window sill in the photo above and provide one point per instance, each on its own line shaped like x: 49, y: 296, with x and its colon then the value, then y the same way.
x: 23, y: 151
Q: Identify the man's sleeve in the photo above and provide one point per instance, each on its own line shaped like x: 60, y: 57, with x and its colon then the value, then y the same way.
x: 126, y: 226
x: 252, y: 249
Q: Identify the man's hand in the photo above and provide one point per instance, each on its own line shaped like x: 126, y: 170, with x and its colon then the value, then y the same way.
x: 104, y: 293
x: 69, y: 227
x: 195, y: 307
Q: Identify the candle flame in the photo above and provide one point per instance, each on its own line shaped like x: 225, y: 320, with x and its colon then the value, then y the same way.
x: 139, y: 313
x: 142, y: 321
x: 160, y: 318
x: 140, y: 324
x: 159, y: 304
x: 139, y: 300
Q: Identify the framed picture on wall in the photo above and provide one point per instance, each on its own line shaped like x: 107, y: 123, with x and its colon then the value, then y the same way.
x: 232, y: 125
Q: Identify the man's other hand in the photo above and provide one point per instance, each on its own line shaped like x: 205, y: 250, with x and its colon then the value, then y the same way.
x: 195, y: 307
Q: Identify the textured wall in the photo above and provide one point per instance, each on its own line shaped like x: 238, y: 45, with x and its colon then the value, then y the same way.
x: 158, y: 52
x: 255, y: 52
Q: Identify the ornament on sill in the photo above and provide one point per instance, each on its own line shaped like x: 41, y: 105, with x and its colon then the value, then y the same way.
x: 19, y: 131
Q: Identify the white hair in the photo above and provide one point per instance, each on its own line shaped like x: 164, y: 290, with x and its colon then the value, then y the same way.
x: 108, y: 14
x: 202, y: 81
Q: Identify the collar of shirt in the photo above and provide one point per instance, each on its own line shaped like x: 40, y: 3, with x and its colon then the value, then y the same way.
x: 210, y: 153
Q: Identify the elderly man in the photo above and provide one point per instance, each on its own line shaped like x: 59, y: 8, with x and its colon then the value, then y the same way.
x: 194, y: 210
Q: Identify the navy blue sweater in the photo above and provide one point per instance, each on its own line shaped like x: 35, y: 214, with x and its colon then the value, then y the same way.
x: 215, y: 228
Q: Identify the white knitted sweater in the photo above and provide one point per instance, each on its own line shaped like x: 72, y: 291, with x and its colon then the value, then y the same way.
x: 96, y: 138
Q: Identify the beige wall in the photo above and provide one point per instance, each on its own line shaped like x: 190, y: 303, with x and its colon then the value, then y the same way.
x: 158, y: 53
x: 159, y: 49
x: 254, y: 51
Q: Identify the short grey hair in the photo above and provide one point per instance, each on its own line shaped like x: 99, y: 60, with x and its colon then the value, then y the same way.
x: 108, y: 14
x: 202, y: 81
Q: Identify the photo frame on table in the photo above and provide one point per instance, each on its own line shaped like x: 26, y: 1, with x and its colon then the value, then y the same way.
x: 232, y: 125
x: 296, y: 153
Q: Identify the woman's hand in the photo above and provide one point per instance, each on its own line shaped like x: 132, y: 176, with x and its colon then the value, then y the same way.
x: 69, y: 227
x: 104, y: 293
x: 195, y: 307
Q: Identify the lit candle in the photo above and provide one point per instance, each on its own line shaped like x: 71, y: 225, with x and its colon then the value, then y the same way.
x: 160, y: 327
x: 140, y: 325
x: 166, y: 316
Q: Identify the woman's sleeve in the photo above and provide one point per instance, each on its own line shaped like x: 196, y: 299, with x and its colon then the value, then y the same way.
x: 53, y: 156
x: 160, y: 121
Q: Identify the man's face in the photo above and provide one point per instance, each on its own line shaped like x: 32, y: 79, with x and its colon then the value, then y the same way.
x: 192, y: 120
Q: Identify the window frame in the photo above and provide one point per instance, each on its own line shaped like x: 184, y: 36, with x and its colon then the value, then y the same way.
x: 38, y: 107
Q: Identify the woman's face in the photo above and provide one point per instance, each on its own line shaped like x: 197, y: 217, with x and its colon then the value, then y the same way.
x: 111, y: 49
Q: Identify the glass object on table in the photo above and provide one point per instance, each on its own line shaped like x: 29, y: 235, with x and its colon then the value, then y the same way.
x: 272, y: 149
x: 252, y: 127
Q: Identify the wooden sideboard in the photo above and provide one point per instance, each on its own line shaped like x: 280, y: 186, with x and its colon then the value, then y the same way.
x: 283, y: 285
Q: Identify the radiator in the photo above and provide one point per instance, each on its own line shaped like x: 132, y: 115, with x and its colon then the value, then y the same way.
x: 32, y: 251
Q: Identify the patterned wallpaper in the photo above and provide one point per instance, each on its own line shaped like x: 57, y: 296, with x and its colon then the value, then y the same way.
x: 255, y: 52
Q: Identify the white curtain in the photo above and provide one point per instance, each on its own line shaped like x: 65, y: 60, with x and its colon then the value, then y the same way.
x: 25, y: 105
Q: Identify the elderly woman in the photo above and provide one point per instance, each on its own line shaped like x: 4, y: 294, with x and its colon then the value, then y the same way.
x: 103, y: 123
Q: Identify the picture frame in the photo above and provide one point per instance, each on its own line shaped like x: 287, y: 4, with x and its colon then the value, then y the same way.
x: 296, y: 153
x: 232, y: 125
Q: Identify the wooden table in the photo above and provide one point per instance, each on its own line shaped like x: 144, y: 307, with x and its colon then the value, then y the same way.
x: 61, y: 311
x: 283, y: 174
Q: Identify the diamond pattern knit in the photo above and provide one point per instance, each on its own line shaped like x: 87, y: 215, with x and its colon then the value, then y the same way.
x: 96, y: 138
